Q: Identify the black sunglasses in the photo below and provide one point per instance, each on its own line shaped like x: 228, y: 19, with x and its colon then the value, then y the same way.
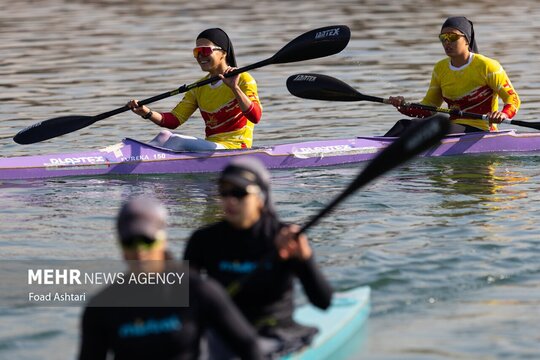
x: 237, y: 193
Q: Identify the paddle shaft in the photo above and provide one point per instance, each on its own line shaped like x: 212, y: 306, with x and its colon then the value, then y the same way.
x: 429, y: 108
x: 182, y: 89
x: 463, y: 114
x: 315, y: 219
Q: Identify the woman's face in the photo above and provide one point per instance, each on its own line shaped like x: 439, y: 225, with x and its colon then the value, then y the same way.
x: 454, y: 42
x: 209, y: 62
x: 242, y: 208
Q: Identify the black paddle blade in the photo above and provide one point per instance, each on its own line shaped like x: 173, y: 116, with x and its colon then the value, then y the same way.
x: 415, y: 140
x: 324, y: 87
x: 314, y: 44
x: 52, y: 128
x: 321, y: 87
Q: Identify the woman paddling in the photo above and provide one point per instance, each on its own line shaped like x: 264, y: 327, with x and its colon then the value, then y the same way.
x: 466, y: 81
x: 150, y: 321
x: 256, y: 256
x: 229, y: 107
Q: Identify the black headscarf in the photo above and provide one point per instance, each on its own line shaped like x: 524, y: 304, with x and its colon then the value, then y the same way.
x: 464, y: 25
x: 221, y: 39
x: 244, y: 171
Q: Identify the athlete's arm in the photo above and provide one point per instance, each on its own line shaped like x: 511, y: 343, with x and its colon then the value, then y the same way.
x: 498, y: 80
x: 295, y: 248
x: 222, y: 315
x: 433, y: 97
x: 317, y: 288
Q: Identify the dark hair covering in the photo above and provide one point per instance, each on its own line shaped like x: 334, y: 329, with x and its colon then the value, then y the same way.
x: 245, y: 171
x: 464, y: 25
x: 221, y: 39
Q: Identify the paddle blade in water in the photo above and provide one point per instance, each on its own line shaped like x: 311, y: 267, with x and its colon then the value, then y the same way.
x: 51, y: 128
x: 415, y: 140
x: 321, y: 87
x: 314, y: 44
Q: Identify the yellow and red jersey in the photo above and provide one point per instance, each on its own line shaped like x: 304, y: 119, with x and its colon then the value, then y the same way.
x: 475, y: 87
x: 225, y: 123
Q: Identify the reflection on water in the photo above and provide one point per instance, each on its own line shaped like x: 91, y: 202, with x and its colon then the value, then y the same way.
x: 432, y: 238
x: 484, y: 183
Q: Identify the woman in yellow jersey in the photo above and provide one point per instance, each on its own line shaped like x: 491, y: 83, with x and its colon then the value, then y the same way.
x: 466, y: 81
x: 229, y: 107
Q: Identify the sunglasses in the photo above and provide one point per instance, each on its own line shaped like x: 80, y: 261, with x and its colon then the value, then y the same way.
x: 238, y: 192
x: 136, y: 242
x: 450, y: 37
x: 204, y: 50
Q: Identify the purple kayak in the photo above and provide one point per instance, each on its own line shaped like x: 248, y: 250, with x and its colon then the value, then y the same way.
x: 134, y: 157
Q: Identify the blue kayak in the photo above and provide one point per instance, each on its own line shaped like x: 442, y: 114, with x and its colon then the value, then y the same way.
x: 339, y: 323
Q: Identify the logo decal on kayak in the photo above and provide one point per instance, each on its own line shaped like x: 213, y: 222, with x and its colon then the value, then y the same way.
x: 327, y: 33
x: 116, y: 149
x: 333, y: 150
x: 135, y: 158
x: 76, y: 160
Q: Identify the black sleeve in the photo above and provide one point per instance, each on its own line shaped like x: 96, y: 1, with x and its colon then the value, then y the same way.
x: 317, y: 288
x: 221, y: 314
x: 94, y: 345
x: 193, y: 251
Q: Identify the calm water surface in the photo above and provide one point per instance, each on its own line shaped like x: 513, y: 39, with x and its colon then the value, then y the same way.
x: 449, y: 246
